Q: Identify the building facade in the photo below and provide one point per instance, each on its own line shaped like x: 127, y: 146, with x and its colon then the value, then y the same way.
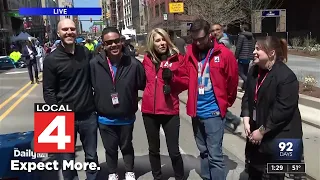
x: 5, y: 28
x: 135, y: 15
x: 33, y: 25
x: 143, y: 16
x: 50, y: 22
x: 127, y: 13
x: 177, y: 22
x: 69, y: 4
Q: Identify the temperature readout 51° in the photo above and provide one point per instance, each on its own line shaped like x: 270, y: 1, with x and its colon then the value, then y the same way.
x: 286, y: 168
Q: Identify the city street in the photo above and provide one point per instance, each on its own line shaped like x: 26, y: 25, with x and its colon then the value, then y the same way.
x: 304, y: 66
x: 17, y: 116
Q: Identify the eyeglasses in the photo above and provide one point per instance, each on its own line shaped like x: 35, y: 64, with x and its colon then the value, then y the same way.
x: 201, y: 39
x: 110, y: 42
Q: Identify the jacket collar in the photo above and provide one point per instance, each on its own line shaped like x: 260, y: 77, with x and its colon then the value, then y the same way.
x: 61, y: 48
x: 268, y: 80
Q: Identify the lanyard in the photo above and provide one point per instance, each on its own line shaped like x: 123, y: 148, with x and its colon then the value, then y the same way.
x: 206, y: 61
x: 111, y: 70
x: 258, y: 85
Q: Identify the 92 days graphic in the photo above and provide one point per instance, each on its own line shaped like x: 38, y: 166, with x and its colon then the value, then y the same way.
x: 288, y: 149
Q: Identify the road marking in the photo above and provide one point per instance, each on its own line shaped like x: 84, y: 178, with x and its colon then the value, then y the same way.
x: 16, y: 72
x: 16, y: 94
x: 161, y: 132
x: 11, y: 108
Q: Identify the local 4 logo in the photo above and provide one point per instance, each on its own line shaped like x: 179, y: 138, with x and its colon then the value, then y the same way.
x: 53, y: 128
x: 288, y: 149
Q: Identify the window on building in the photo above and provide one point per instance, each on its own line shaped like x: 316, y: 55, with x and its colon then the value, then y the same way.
x: 186, y: 10
x: 157, y: 10
x: 151, y: 12
x: 141, y: 21
x: 163, y: 8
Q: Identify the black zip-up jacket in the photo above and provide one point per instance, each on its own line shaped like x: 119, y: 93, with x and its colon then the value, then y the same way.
x: 66, y: 79
x: 245, y: 46
x: 129, y: 78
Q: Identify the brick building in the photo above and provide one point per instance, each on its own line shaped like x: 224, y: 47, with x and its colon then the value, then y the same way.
x: 178, y: 22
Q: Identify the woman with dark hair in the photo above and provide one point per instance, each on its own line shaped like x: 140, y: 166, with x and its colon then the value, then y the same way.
x: 270, y: 109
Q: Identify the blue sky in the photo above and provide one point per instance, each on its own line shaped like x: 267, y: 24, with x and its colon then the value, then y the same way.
x: 87, y: 3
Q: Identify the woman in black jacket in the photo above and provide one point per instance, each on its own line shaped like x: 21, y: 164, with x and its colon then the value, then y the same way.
x: 270, y: 108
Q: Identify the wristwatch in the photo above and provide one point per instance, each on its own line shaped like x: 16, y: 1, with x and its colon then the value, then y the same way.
x: 262, y: 129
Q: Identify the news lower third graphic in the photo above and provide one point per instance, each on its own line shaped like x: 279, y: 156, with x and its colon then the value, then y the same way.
x: 59, y: 11
x: 294, y: 168
x: 53, y: 133
x: 288, y: 149
x: 53, y: 128
x: 21, y: 162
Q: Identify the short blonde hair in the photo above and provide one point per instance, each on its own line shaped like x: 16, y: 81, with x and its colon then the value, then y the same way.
x: 150, y: 43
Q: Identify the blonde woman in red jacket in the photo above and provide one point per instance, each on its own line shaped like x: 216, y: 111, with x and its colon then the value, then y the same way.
x: 166, y: 79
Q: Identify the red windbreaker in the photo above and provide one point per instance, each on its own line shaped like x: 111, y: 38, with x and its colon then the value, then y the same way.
x: 154, y: 101
x: 223, y: 75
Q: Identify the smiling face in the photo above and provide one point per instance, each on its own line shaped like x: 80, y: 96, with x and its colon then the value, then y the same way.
x: 160, y: 44
x: 261, y: 56
x: 67, y: 31
x: 217, y: 31
x: 112, y: 43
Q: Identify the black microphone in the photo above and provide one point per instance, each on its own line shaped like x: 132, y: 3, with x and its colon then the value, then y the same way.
x: 166, y: 86
x: 163, y: 57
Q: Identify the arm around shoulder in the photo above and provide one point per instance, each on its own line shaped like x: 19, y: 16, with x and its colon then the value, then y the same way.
x: 49, y: 81
x: 141, y: 76
x: 180, y: 79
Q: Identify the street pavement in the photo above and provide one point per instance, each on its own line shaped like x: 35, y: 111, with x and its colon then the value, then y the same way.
x: 304, y: 66
x: 17, y: 116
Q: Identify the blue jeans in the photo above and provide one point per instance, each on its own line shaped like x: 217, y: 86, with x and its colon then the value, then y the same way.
x: 86, y: 126
x: 243, y: 69
x: 208, y: 134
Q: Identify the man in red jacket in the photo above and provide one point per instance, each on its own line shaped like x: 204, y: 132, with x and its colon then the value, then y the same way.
x: 213, y: 81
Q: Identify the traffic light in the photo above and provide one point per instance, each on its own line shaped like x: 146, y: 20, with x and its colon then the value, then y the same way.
x: 75, y: 19
x: 90, y: 19
x: 108, y: 15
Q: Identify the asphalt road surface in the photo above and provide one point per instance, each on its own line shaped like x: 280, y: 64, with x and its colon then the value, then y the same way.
x: 304, y: 66
x: 17, y: 97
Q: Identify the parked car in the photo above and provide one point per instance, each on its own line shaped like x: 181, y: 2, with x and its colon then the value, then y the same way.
x: 6, y: 62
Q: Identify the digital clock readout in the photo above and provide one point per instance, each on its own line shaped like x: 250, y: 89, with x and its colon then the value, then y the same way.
x: 273, y: 168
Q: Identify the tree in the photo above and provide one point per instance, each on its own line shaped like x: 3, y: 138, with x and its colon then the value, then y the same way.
x: 216, y: 11
x: 228, y: 11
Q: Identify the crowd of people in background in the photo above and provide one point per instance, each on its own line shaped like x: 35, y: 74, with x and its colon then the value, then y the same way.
x: 104, y: 93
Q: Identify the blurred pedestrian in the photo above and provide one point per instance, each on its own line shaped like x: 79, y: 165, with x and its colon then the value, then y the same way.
x: 29, y: 52
x: 243, y: 53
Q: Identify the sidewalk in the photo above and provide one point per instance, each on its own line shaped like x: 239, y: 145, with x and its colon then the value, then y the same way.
x: 309, y: 115
x: 311, y: 135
